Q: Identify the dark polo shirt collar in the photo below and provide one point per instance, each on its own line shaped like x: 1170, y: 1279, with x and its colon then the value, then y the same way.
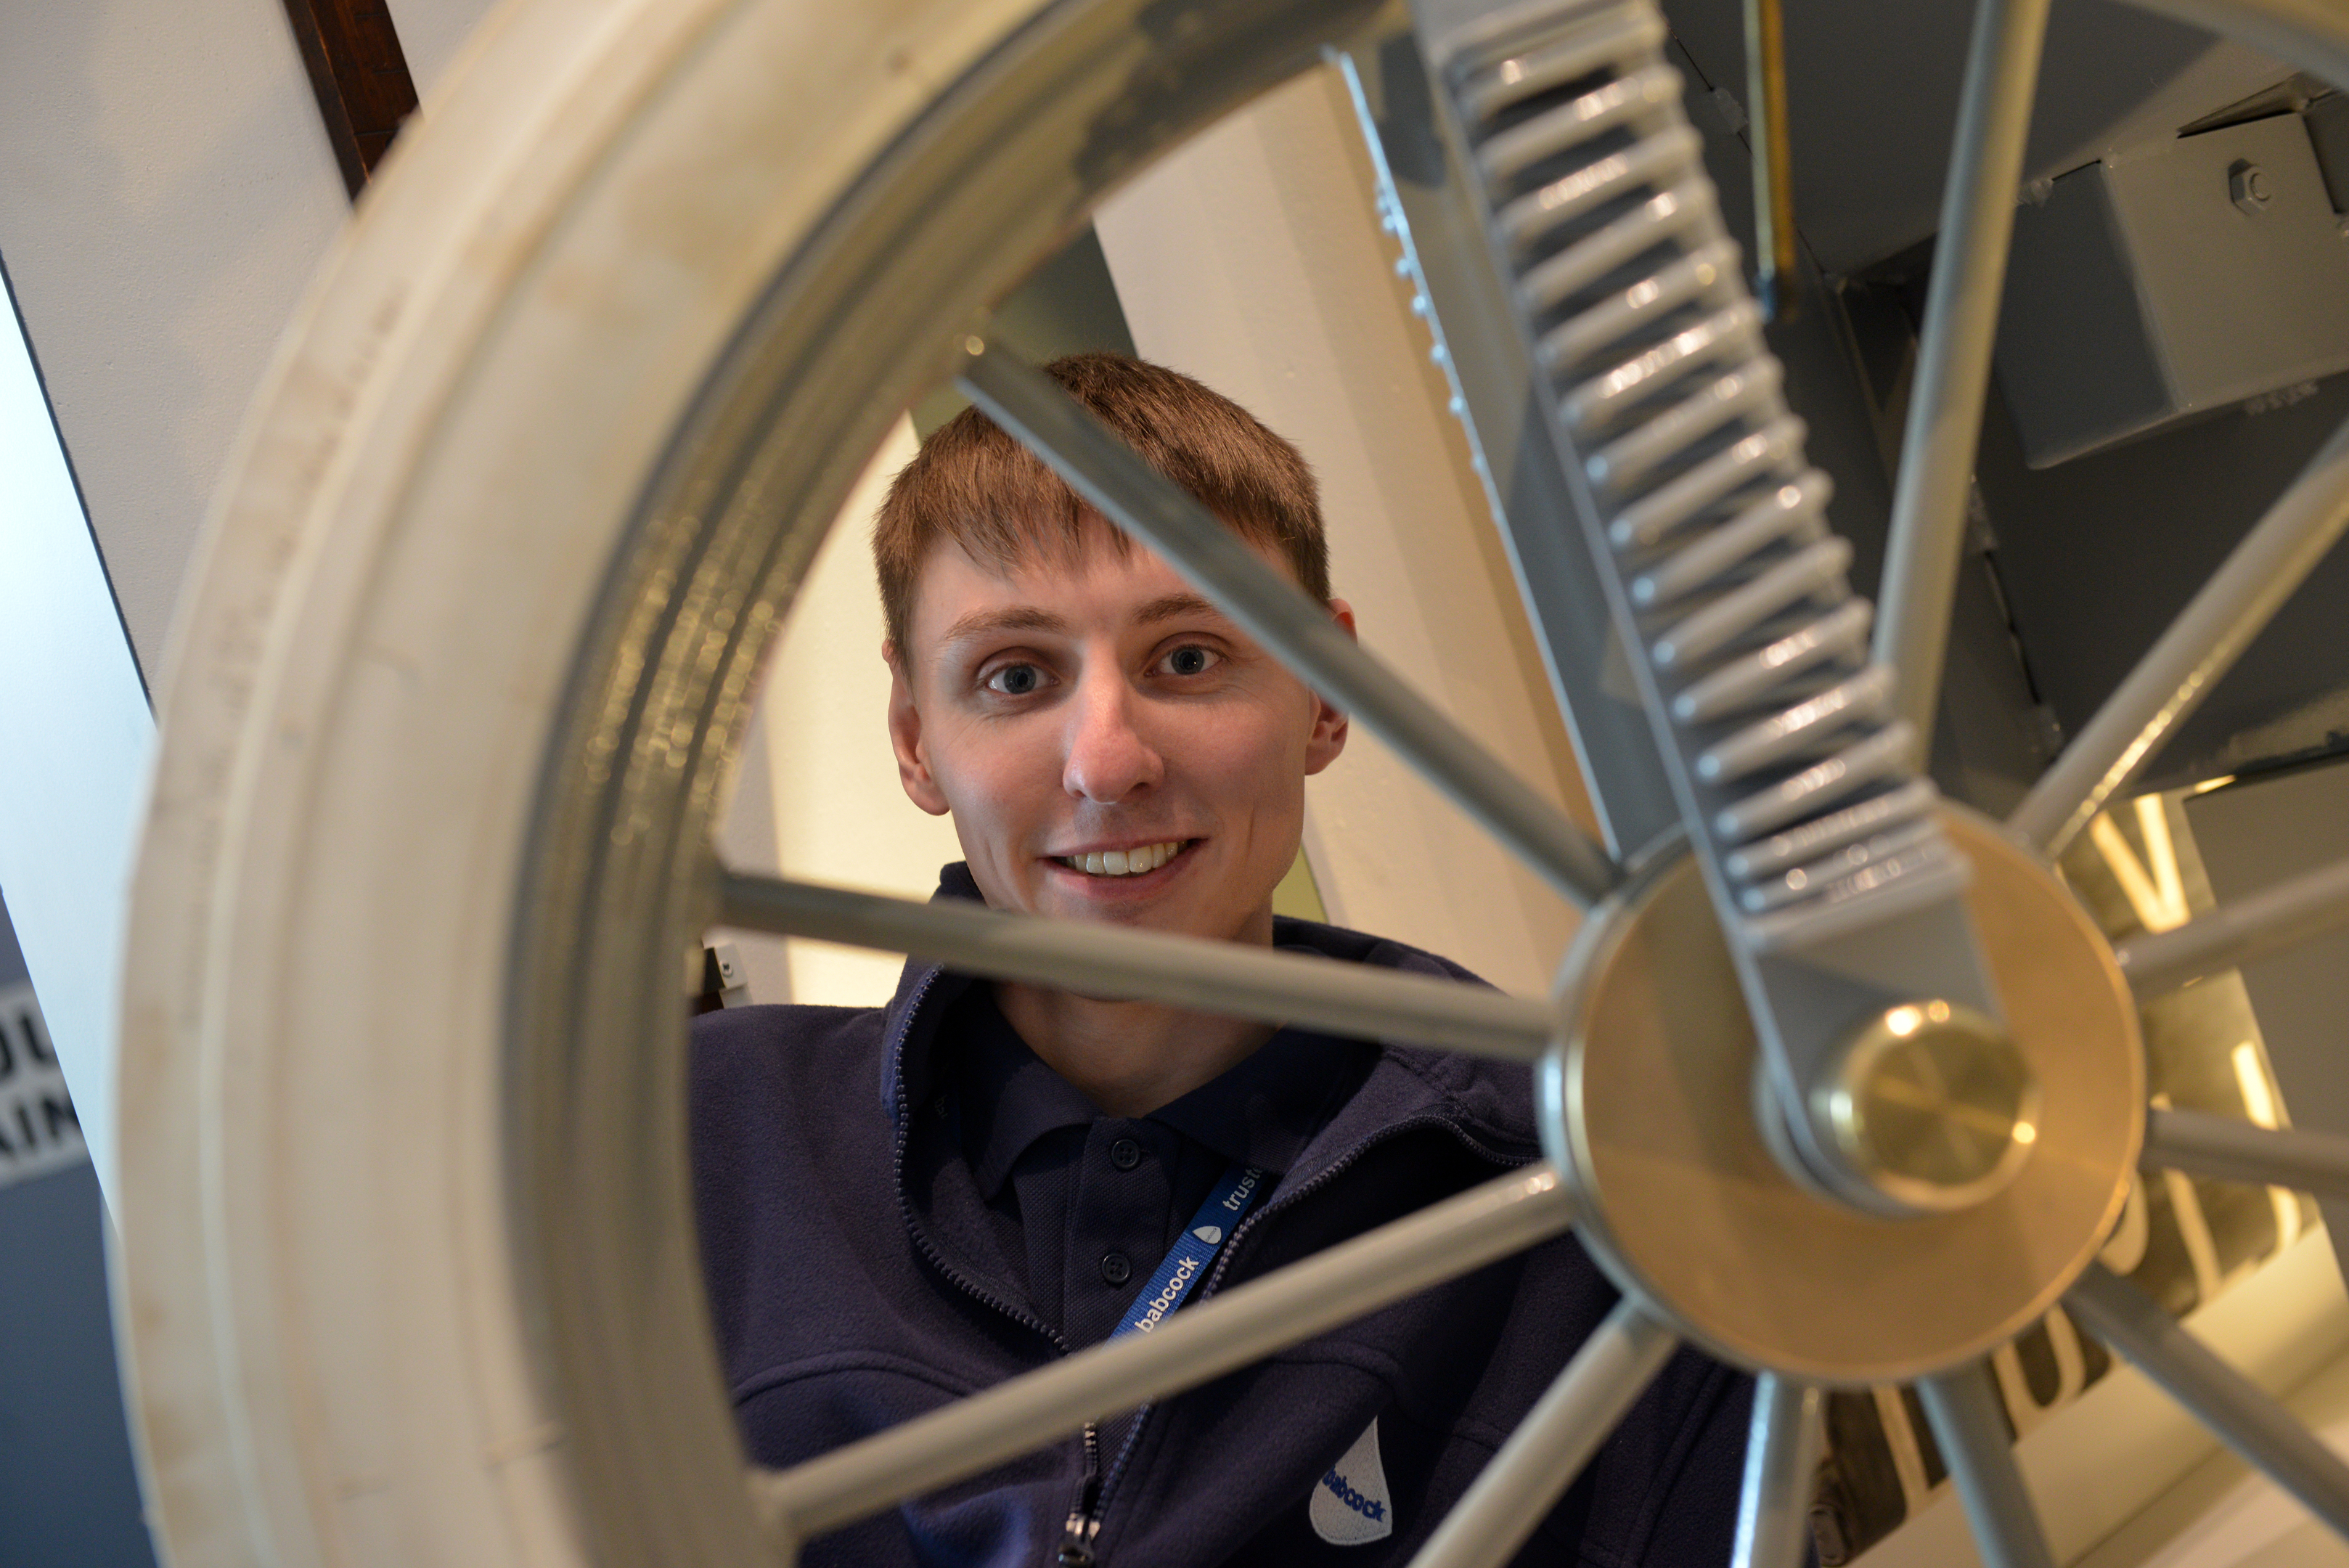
x: 1261, y: 1112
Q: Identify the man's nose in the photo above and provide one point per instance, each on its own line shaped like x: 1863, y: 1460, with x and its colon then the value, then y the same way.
x: 1109, y: 759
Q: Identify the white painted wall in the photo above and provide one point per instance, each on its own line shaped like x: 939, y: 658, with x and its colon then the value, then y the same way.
x: 433, y: 33
x: 817, y: 796
x: 166, y: 192
x: 1253, y: 259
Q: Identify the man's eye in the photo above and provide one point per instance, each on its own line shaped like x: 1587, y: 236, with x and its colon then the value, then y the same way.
x: 1191, y: 661
x: 1016, y: 679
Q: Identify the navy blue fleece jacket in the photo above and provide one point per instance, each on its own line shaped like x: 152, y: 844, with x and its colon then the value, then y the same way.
x: 856, y: 1283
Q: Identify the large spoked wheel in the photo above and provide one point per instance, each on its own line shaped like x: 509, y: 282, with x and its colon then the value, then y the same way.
x: 410, y: 1272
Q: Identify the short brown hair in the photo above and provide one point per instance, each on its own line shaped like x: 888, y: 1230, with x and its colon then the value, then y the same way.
x: 977, y: 485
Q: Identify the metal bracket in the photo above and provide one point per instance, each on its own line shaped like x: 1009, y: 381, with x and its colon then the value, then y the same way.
x: 1567, y: 230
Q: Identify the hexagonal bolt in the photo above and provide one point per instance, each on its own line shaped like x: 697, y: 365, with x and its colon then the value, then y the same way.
x: 2247, y: 187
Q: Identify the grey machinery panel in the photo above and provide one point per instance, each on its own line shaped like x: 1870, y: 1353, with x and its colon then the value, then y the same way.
x: 2176, y: 281
x: 2073, y: 567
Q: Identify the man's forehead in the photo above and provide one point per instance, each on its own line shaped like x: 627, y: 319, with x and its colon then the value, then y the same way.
x: 1047, y: 589
x: 1040, y: 558
x: 988, y: 620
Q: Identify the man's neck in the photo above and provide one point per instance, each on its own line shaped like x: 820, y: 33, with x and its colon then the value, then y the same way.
x: 1127, y: 1057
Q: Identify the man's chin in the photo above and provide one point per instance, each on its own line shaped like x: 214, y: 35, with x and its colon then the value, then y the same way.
x: 1145, y: 914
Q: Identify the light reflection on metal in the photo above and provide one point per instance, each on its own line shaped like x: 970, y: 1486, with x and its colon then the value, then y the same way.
x: 2154, y: 887
x: 2268, y: 921
x: 1934, y: 1103
x: 1774, y: 159
x: 1782, y: 1461
x: 2258, y: 1089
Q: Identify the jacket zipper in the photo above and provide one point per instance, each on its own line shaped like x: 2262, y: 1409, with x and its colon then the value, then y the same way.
x: 1081, y: 1509
x: 1099, y: 1506
x: 1077, y: 1533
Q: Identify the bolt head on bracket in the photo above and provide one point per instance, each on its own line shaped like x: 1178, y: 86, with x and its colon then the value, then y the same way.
x: 2248, y: 188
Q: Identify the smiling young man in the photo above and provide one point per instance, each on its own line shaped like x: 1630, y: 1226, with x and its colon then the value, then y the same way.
x: 903, y: 1205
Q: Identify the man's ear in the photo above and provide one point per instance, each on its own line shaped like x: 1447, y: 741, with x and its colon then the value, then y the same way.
x: 905, y: 738
x: 1329, y: 737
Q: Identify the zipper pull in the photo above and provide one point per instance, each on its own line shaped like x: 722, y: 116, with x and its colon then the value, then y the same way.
x: 1077, y: 1534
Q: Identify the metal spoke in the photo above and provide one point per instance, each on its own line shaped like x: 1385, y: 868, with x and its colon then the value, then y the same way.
x: 2230, y: 1150
x: 2201, y: 645
x: 2261, y: 1431
x: 1556, y: 1439
x: 1946, y: 399
x: 2267, y: 921
x: 1228, y: 978
x: 1962, y: 1409
x: 1106, y: 472
x: 1782, y: 1460
x: 1193, y: 1346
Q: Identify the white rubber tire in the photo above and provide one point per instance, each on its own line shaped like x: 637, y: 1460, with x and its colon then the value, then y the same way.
x: 330, y: 1351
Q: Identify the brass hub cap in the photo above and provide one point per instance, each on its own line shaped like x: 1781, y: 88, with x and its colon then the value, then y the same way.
x: 1934, y: 1104
x: 1648, y: 1106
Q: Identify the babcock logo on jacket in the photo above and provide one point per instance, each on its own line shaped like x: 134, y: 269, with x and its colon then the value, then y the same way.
x: 1351, y: 1506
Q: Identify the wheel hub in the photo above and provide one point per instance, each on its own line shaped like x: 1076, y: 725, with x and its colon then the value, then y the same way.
x: 2022, y: 1141
x: 1935, y: 1104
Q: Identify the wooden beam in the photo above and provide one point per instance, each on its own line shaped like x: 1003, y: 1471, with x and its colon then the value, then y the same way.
x: 360, y: 75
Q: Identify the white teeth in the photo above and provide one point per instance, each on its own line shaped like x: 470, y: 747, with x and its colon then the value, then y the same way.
x: 1124, y: 862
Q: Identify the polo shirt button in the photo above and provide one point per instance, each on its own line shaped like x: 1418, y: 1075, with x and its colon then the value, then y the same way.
x: 1116, y: 1267
x: 1125, y: 1154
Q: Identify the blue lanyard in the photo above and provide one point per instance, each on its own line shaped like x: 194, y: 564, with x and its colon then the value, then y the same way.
x: 1186, y: 1262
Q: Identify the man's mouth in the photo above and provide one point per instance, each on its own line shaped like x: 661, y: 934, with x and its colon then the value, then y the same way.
x: 1125, y: 862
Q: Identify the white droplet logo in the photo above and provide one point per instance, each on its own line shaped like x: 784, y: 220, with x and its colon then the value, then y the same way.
x: 1351, y: 1506
x: 1210, y: 1234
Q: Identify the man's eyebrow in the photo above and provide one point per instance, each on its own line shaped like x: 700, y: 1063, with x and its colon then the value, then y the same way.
x: 1022, y: 618
x: 1176, y: 606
